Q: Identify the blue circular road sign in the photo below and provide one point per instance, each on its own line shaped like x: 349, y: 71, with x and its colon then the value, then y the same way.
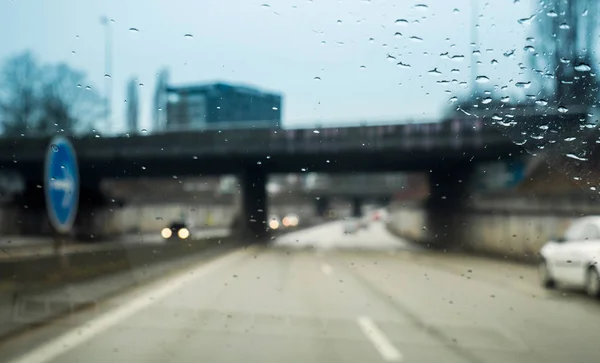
x: 61, y: 184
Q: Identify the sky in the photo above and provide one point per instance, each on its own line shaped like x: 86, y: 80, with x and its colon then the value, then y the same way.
x: 334, y: 61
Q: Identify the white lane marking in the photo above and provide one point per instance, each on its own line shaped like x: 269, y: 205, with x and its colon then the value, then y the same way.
x: 71, y: 339
x: 380, y: 341
x: 327, y: 269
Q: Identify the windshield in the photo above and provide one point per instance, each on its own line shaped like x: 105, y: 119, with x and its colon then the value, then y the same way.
x: 302, y: 181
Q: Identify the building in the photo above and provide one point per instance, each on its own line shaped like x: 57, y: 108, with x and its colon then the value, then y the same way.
x: 225, y: 105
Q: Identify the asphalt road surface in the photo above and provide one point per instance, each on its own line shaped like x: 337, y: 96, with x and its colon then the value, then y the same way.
x: 321, y: 296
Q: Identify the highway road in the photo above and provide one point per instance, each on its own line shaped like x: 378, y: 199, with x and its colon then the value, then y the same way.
x: 320, y: 296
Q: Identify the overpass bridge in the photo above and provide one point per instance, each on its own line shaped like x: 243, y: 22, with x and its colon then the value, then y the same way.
x: 446, y: 149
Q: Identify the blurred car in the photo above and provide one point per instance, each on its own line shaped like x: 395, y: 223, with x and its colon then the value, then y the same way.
x: 573, y: 259
x: 176, y: 231
x: 354, y: 224
x: 290, y: 221
x: 274, y: 222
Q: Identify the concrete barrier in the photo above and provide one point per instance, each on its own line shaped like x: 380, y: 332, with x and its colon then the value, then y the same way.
x: 516, y: 236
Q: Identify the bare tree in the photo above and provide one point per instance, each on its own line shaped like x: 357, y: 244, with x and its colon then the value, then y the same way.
x: 67, y: 103
x: 45, y: 99
x: 19, y: 94
x: 566, y: 31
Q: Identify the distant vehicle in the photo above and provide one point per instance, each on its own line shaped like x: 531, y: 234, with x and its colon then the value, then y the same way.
x: 274, y: 222
x: 290, y: 221
x: 177, y: 230
x: 573, y: 259
x: 354, y: 224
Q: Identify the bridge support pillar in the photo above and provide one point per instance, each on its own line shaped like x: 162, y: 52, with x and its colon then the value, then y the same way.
x: 253, y: 221
x: 322, y: 206
x: 357, y: 204
x: 92, y: 202
x: 448, y: 197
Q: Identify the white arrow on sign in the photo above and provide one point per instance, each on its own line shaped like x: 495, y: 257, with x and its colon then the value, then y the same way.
x: 66, y: 185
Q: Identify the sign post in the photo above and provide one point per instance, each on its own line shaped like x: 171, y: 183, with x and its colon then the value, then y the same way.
x: 61, y: 187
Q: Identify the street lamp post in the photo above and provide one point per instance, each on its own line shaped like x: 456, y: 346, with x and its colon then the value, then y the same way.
x: 107, y: 72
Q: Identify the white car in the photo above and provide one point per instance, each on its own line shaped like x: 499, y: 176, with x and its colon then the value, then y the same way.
x: 573, y: 259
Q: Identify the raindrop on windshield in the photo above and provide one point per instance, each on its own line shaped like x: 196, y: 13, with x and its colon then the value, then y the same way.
x: 505, y: 99
x: 398, y: 34
x: 494, y: 62
x: 188, y: 36
x: 415, y: 38
x: 435, y: 72
x: 523, y: 85
x: 401, y: 22
x: 573, y: 156
x: 563, y: 109
x: 144, y: 131
x: 564, y: 26
x: 54, y: 147
x: 486, y: 100
x: 390, y: 57
x: 88, y: 88
x: 582, y: 67
x: 526, y: 21
x: 457, y: 57
x: 317, y: 78
x: 107, y: 76
x: 134, y: 30
x: 482, y: 79
x: 552, y: 14
x: 496, y: 117
x: 529, y: 48
x: 403, y: 65
x: 421, y: 7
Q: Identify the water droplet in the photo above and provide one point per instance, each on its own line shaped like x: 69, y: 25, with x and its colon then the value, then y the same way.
x: 569, y: 139
x: 398, y: 34
x: 188, y: 36
x: 563, y: 109
x: 435, y: 72
x: 523, y: 85
x: 401, y: 22
x: 573, y: 156
x: 54, y: 147
x: 316, y: 131
x: 541, y: 102
x: 317, y: 78
x: 505, y: 99
x: 134, y: 30
x: 143, y: 168
x: 526, y: 21
x: 107, y: 76
x: 362, y: 67
x: 371, y: 40
x: 494, y: 62
x: 455, y: 70
x: 339, y: 21
x: 585, y: 12
x: 509, y: 53
x: 265, y: 5
x: 141, y: 85
x: 582, y: 67
x: 79, y: 85
x: 496, y: 117
x: 529, y: 48
x: 482, y: 79
x: 421, y: 7
x: 274, y: 108
x: 144, y: 131
x: 390, y: 57
x: 456, y: 11
x: 564, y: 26
x: 88, y: 88
x: 486, y: 100
x: 453, y: 99
x: 403, y: 65
x: 415, y: 38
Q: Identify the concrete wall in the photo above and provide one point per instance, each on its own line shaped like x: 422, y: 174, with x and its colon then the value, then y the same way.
x: 517, y: 235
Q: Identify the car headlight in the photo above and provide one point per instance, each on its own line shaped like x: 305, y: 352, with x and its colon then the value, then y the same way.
x: 293, y: 221
x: 166, y: 233
x: 286, y: 222
x: 183, y: 233
x: 273, y: 224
